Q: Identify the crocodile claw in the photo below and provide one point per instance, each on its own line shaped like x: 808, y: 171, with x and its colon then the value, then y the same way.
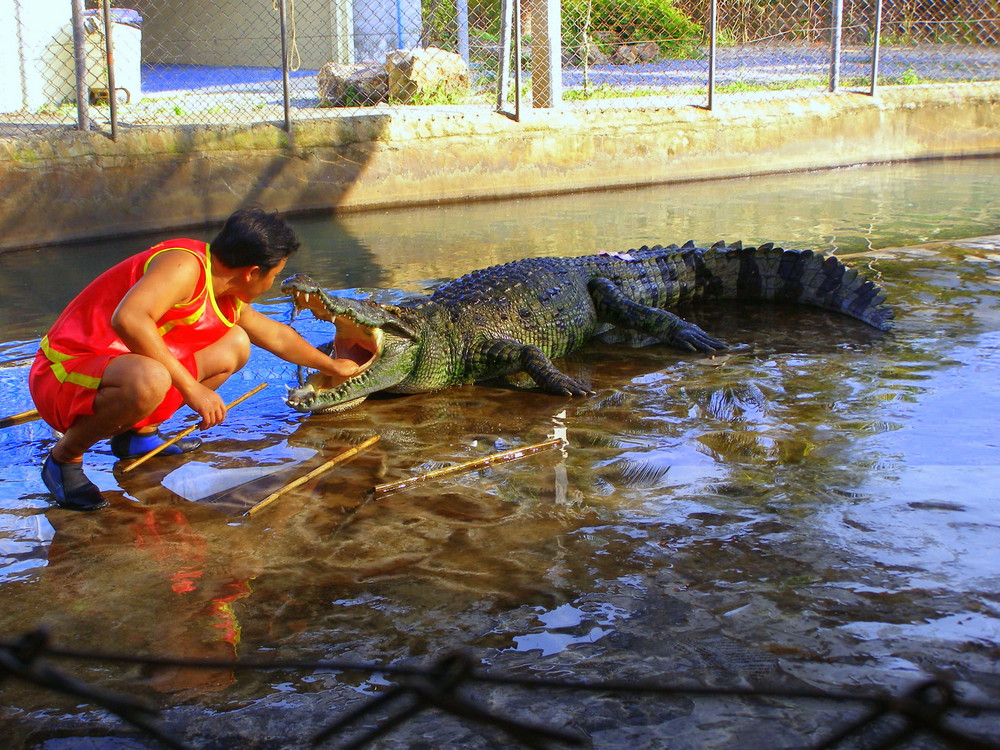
x: 694, y: 339
x: 567, y: 386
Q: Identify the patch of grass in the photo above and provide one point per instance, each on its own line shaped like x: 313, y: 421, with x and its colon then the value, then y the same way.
x: 441, y: 94
x: 607, y: 91
x: 908, y: 77
x: 746, y: 87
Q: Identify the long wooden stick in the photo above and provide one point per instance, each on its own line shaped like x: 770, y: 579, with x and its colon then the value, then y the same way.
x: 13, y: 419
x: 511, y: 455
x: 311, y: 475
x: 184, y: 433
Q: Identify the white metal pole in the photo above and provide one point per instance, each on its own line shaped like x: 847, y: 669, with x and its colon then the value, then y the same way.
x: 110, y: 57
x: 836, y: 24
x: 506, y: 29
x: 713, y: 20
x: 876, y: 44
x: 286, y: 98
x: 80, y: 64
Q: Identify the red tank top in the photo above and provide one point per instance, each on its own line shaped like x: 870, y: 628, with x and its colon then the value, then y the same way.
x: 84, y: 327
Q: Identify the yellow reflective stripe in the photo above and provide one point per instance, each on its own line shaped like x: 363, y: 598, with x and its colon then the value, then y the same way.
x: 192, y: 318
x: 211, y: 293
x: 57, y: 359
x: 51, y: 354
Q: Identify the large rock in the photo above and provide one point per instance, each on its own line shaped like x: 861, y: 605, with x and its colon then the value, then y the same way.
x: 647, y: 51
x: 352, y: 85
x: 625, y: 54
x: 427, y: 75
x: 589, y: 54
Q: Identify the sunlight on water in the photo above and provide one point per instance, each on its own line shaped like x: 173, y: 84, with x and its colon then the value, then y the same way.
x: 819, y: 501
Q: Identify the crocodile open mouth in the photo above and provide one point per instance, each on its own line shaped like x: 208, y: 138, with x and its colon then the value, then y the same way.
x: 360, y: 344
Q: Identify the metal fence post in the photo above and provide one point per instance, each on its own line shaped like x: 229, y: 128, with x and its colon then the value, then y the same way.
x: 80, y: 65
x: 510, y: 33
x: 712, y: 29
x: 517, y: 59
x: 836, y: 38
x: 110, y: 58
x: 876, y: 41
x: 286, y: 99
x: 506, y: 31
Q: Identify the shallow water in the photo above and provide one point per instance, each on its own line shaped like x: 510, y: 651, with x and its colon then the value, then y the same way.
x: 819, y: 504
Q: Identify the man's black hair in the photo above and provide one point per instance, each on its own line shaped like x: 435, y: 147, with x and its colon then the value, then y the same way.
x: 253, y: 237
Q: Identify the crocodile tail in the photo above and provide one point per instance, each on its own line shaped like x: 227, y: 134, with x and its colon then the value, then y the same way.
x: 801, y: 276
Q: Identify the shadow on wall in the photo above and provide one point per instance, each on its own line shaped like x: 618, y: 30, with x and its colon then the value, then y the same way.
x: 154, y: 180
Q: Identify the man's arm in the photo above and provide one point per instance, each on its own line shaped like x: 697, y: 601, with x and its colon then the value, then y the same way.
x: 170, y: 280
x: 285, y: 342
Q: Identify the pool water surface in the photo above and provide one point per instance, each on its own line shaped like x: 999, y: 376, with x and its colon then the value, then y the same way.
x: 816, y: 507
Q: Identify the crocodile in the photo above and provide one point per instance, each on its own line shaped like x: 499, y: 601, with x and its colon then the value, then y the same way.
x: 519, y: 316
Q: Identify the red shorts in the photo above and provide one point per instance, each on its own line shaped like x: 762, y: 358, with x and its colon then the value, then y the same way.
x: 61, y: 403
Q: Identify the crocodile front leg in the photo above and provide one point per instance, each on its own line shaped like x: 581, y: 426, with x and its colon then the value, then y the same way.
x: 615, y: 307
x: 506, y: 356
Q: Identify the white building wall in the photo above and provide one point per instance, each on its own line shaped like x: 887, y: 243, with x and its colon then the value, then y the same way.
x: 27, y: 32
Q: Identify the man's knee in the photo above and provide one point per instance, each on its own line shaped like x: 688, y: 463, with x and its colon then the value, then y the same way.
x: 235, y: 351
x: 135, y: 382
x: 225, y: 356
x: 148, y: 384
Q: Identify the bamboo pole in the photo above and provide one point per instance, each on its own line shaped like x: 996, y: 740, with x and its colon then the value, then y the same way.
x: 511, y: 455
x: 311, y: 475
x: 24, y: 416
x: 183, y: 434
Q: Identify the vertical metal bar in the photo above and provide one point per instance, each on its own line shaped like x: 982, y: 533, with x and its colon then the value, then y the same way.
x: 876, y: 44
x: 506, y: 29
x: 517, y: 60
x: 462, y: 21
x: 110, y: 57
x: 80, y: 65
x: 286, y: 99
x: 836, y: 38
x: 712, y: 21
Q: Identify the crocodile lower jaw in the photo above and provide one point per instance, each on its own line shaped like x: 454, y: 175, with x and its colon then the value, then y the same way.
x: 343, y: 406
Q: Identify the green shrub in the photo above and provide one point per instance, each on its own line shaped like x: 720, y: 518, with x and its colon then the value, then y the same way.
x: 615, y: 22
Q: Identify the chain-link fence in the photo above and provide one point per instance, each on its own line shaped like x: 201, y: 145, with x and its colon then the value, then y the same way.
x: 931, y: 710
x: 96, y: 63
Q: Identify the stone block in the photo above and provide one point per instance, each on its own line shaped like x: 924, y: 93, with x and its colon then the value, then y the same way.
x: 647, y: 51
x: 625, y: 54
x: 352, y: 85
x: 423, y: 73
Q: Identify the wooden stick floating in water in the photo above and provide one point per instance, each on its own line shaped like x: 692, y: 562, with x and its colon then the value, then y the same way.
x: 183, y: 434
x: 511, y: 455
x: 24, y: 416
x: 311, y: 475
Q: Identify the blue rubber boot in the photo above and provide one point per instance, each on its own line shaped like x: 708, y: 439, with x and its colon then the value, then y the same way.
x: 70, y: 487
x: 132, y: 444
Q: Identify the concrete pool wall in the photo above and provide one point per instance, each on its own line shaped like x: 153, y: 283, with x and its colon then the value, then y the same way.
x: 67, y: 185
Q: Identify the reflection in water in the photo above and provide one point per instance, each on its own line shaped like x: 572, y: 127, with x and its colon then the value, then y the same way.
x: 816, y: 504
